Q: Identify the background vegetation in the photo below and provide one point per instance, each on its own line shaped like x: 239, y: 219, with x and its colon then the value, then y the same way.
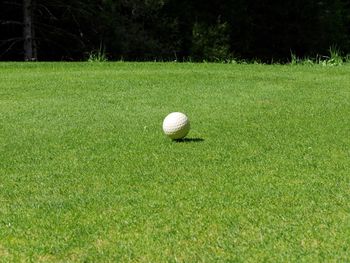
x: 267, y: 30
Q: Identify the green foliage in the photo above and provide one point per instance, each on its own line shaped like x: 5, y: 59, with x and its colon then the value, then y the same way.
x: 347, y: 59
x: 178, y: 30
x: 211, y: 43
x: 137, y: 30
x: 335, y: 58
x: 294, y: 59
x: 98, y: 55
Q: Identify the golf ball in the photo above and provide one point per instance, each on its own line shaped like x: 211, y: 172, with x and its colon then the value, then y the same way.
x: 176, y: 125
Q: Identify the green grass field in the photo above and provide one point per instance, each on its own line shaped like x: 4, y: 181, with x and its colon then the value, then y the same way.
x: 86, y: 174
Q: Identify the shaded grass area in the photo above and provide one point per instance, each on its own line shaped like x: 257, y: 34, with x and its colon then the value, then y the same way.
x: 87, y: 175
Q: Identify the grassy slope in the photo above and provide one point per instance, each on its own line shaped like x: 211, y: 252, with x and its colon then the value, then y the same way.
x: 86, y: 173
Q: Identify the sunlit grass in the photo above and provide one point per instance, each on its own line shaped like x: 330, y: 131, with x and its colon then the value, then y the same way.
x: 87, y: 175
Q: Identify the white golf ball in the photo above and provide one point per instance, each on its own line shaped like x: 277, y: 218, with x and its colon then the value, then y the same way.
x: 176, y: 125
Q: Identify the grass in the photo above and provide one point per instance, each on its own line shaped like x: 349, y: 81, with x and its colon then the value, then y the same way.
x: 335, y: 58
x: 98, y: 55
x: 86, y: 174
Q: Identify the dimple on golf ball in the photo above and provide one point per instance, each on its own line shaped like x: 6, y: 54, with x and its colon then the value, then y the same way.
x: 176, y: 125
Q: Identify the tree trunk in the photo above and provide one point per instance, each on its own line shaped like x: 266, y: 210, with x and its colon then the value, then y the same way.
x: 30, y: 53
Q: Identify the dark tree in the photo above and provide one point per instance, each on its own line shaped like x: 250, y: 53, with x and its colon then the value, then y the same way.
x: 30, y: 49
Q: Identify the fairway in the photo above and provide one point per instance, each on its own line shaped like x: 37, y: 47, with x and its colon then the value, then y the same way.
x: 87, y: 175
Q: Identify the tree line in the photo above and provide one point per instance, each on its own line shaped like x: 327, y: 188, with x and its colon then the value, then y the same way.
x: 182, y: 30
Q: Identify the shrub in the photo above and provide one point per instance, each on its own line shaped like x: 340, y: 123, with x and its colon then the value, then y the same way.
x: 211, y: 43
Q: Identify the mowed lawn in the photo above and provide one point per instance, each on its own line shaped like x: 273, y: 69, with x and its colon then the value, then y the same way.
x: 86, y: 174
